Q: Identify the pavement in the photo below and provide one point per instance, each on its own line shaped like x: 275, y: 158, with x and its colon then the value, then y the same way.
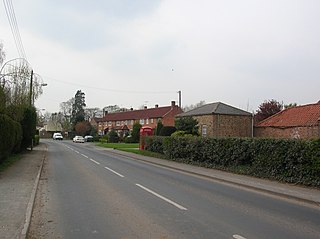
x: 18, y: 186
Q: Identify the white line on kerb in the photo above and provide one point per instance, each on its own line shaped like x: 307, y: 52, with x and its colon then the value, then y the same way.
x: 85, y: 156
x: 162, y: 197
x: 120, y: 175
x: 95, y: 161
x: 238, y: 237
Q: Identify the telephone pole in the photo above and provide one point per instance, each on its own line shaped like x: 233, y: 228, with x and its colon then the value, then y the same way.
x: 179, y: 92
x: 30, y: 91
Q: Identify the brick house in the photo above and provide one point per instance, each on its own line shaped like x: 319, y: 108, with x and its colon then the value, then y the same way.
x: 301, y: 122
x: 221, y: 120
x: 123, y: 121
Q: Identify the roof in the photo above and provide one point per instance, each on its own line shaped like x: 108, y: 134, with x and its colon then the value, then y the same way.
x: 158, y: 112
x: 305, y: 115
x: 215, y: 108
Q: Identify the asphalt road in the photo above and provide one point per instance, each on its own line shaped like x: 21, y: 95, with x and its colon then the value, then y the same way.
x: 90, y: 193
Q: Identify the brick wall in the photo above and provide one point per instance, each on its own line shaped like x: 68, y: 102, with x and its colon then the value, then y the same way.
x: 226, y: 125
x: 308, y: 132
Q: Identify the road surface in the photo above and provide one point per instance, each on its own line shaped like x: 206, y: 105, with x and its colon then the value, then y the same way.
x: 85, y: 192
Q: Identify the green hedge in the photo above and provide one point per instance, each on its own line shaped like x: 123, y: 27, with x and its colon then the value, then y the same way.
x: 10, y: 136
x: 294, y: 161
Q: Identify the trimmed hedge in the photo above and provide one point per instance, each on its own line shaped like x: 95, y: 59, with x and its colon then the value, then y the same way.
x: 10, y: 136
x: 293, y: 161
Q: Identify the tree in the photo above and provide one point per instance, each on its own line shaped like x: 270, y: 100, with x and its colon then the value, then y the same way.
x: 191, y: 107
x: 158, y: 128
x: 83, y: 128
x: 2, y: 54
x: 290, y: 105
x: 113, y: 137
x: 78, y: 108
x: 267, y: 109
x: 135, y: 134
x: 187, y: 124
x: 66, y: 111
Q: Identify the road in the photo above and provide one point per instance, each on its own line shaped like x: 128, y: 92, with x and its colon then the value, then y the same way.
x: 85, y: 192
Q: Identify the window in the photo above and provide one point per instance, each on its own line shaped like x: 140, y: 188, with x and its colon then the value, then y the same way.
x: 151, y: 121
x: 126, y: 122
x: 147, y: 121
x: 141, y: 121
x: 118, y: 123
x: 132, y: 122
x: 204, y: 130
x: 109, y: 123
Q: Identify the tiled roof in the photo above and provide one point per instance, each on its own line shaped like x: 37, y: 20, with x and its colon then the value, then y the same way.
x: 215, y: 108
x: 305, y: 115
x: 158, y: 112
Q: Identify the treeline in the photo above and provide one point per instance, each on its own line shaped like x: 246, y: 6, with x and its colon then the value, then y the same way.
x: 17, y: 126
x: 292, y: 161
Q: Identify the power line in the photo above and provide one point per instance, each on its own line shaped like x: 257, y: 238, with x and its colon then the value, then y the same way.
x: 14, y: 27
x: 111, y: 90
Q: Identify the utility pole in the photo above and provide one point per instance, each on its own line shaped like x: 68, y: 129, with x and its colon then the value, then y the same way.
x: 179, y: 92
x: 30, y: 91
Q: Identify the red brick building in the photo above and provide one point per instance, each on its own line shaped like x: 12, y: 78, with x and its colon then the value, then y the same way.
x: 221, y: 120
x: 301, y: 122
x: 124, y: 121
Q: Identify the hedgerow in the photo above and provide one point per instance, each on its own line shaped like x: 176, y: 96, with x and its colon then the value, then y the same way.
x: 293, y: 161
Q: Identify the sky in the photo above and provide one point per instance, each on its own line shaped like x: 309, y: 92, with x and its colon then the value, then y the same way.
x: 140, y: 52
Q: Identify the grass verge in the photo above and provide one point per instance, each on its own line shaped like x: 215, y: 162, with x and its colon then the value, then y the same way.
x: 118, y: 145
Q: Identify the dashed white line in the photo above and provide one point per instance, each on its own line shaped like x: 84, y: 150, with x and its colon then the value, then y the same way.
x: 162, y: 197
x: 76, y: 151
x: 85, y: 156
x: 120, y: 175
x: 95, y: 161
x: 238, y: 237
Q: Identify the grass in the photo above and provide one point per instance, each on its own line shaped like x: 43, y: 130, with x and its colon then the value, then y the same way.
x: 131, y: 148
x: 118, y: 145
x: 9, y: 161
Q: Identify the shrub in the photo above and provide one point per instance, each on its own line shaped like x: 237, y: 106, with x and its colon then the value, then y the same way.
x: 167, y: 130
x: 293, y: 161
x: 113, y: 136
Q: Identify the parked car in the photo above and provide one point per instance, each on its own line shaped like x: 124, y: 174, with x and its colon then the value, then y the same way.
x: 78, y: 139
x: 88, y: 138
x: 57, y: 136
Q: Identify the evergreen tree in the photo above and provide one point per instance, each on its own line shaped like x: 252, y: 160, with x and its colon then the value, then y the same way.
x: 78, y: 114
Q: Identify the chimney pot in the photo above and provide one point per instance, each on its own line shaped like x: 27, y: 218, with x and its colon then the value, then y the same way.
x: 156, y: 106
x: 173, y: 103
x: 131, y: 109
x: 145, y: 107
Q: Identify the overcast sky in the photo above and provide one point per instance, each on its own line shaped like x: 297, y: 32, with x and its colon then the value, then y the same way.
x: 142, y: 52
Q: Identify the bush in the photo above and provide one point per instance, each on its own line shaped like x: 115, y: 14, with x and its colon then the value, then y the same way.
x: 113, y: 136
x: 293, y: 161
x: 167, y: 130
x: 10, y: 136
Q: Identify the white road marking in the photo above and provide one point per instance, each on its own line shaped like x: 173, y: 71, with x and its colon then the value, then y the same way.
x: 238, y: 237
x: 95, y: 161
x: 162, y: 197
x: 120, y: 175
x: 85, y: 156
x: 76, y: 151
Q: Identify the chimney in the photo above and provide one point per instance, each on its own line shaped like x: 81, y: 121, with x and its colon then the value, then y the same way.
x: 131, y: 109
x: 173, y: 103
x: 156, y: 106
x: 145, y: 107
x: 105, y: 113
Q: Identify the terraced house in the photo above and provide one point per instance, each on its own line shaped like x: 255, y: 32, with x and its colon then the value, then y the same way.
x: 123, y: 122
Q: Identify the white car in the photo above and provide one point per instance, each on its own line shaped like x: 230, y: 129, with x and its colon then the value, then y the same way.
x: 78, y: 139
x: 88, y: 138
x: 57, y: 136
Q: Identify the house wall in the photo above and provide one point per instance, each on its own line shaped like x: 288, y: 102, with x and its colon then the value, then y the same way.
x: 226, y: 125
x: 308, y: 132
x: 169, y: 118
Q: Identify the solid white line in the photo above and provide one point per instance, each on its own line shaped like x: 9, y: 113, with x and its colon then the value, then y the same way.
x: 162, y: 197
x: 238, y: 237
x: 95, y: 161
x: 85, y: 156
x: 120, y: 175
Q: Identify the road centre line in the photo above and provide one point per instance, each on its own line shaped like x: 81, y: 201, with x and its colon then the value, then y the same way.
x: 76, y: 151
x: 238, y: 237
x: 95, y: 161
x: 120, y: 175
x: 85, y: 156
x: 162, y: 197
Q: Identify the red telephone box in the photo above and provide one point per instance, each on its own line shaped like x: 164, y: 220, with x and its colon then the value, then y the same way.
x: 144, y: 131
